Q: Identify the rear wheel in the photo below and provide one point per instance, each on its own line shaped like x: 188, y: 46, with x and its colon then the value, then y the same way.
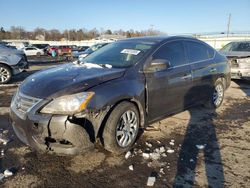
x: 5, y: 74
x: 38, y: 54
x: 121, y: 128
x: 217, y: 95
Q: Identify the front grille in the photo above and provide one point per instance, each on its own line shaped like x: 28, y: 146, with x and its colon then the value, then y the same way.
x: 23, y: 103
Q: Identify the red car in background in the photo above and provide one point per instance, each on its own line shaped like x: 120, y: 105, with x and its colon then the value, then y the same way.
x: 60, y: 50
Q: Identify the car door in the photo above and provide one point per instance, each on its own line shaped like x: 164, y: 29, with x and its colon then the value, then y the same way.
x: 166, y: 89
x: 204, y: 69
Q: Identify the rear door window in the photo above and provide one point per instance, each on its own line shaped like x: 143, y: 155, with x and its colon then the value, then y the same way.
x: 173, y: 52
x: 198, y: 51
x: 243, y: 47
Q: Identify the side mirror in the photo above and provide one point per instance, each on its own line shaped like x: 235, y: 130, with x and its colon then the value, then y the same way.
x: 158, y: 65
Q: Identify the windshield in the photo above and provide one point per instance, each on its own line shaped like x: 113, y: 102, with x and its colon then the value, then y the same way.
x: 94, y: 48
x: 120, y: 54
x: 237, y: 46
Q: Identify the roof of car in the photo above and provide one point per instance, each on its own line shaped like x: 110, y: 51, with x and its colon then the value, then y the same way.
x: 238, y: 41
x: 157, y: 38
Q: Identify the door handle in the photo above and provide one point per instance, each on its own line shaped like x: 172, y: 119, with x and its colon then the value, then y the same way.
x: 186, y: 76
x: 213, y: 70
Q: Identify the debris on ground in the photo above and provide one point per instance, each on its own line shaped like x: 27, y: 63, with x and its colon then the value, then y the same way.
x: 149, y: 144
x: 155, y: 155
x: 7, y: 173
x: 170, y: 151
x: 162, y: 149
x: 200, y: 147
x: 131, y: 167
x: 3, y: 137
x: 171, y: 142
x: 145, y: 155
x: 2, y: 152
x: 128, y: 154
x: 162, y: 171
x: 1, y: 176
x: 151, y: 181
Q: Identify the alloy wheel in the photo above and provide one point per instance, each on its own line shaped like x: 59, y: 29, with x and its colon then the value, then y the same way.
x: 218, y: 94
x: 4, y: 74
x: 127, y: 128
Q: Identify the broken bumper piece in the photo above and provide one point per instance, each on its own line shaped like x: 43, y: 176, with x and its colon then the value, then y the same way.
x: 52, y: 134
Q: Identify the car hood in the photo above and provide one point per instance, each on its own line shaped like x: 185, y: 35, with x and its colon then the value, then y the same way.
x: 4, y: 50
x: 67, y: 79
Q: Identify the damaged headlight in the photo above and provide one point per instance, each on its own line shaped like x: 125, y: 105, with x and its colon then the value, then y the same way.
x: 69, y: 104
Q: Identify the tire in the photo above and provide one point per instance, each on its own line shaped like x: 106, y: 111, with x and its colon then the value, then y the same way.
x: 5, y: 74
x: 216, y: 95
x: 38, y: 54
x: 117, y: 136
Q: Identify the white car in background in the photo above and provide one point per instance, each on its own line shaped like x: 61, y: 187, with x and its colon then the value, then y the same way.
x: 31, y: 51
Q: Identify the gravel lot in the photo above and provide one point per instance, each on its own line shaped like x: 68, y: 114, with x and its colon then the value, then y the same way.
x: 197, y: 147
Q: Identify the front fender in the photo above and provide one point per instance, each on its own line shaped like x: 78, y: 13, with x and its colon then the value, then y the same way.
x: 107, y: 95
x: 10, y: 60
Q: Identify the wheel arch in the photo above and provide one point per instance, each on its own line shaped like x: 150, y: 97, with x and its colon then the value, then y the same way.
x: 5, y: 64
x: 134, y: 101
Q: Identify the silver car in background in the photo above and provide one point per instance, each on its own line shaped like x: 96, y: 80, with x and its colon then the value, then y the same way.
x: 12, y: 62
x: 238, y: 54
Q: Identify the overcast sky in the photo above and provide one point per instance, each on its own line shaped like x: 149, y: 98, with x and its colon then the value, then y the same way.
x: 169, y: 16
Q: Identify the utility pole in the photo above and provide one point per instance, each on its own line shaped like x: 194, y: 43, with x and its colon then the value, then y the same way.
x: 68, y: 36
x: 44, y: 35
x: 228, y: 24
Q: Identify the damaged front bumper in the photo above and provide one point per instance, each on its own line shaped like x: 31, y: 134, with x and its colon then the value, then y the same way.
x: 60, y: 134
x: 240, y: 68
x: 240, y: 73
x: 22, y: 65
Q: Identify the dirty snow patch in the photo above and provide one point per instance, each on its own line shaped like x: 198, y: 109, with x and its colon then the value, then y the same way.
x: 131, y: 167
x: 151, y: 181
x: 200, y: 147
x: 170, y: 151
x: 128, y: 154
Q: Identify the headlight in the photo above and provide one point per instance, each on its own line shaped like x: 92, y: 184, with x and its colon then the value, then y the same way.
x: 69, y: 104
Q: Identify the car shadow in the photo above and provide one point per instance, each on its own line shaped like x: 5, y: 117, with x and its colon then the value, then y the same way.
x: 200, y: 140
x: 244, y: 85
x: 21, y: 76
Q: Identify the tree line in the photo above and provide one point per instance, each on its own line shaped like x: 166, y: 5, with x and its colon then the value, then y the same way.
x: 17, y: 32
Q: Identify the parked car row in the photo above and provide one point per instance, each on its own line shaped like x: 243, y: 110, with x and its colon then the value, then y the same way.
x: 113, y: 92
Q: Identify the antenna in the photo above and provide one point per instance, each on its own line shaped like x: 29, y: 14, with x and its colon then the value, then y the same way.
x: 228, y: 24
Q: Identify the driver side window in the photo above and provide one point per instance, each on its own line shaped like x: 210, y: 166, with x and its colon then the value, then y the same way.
x: 173, y: 52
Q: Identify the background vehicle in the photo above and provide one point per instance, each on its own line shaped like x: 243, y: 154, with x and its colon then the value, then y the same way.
x: 64, y: 50
x: 12, y: 62
x: 91, y: 49
x: 116, y: 90
x: 80, y: 50
x: 41, y: 46
x: 19, y: 44
x: 51, y: 48
x: 239, y: 55
x: 33, y: 51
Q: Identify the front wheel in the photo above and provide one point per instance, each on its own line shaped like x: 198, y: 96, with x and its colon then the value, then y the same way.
x: 5, y: 74
x: 121, y: 128
x: 217, y: 95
